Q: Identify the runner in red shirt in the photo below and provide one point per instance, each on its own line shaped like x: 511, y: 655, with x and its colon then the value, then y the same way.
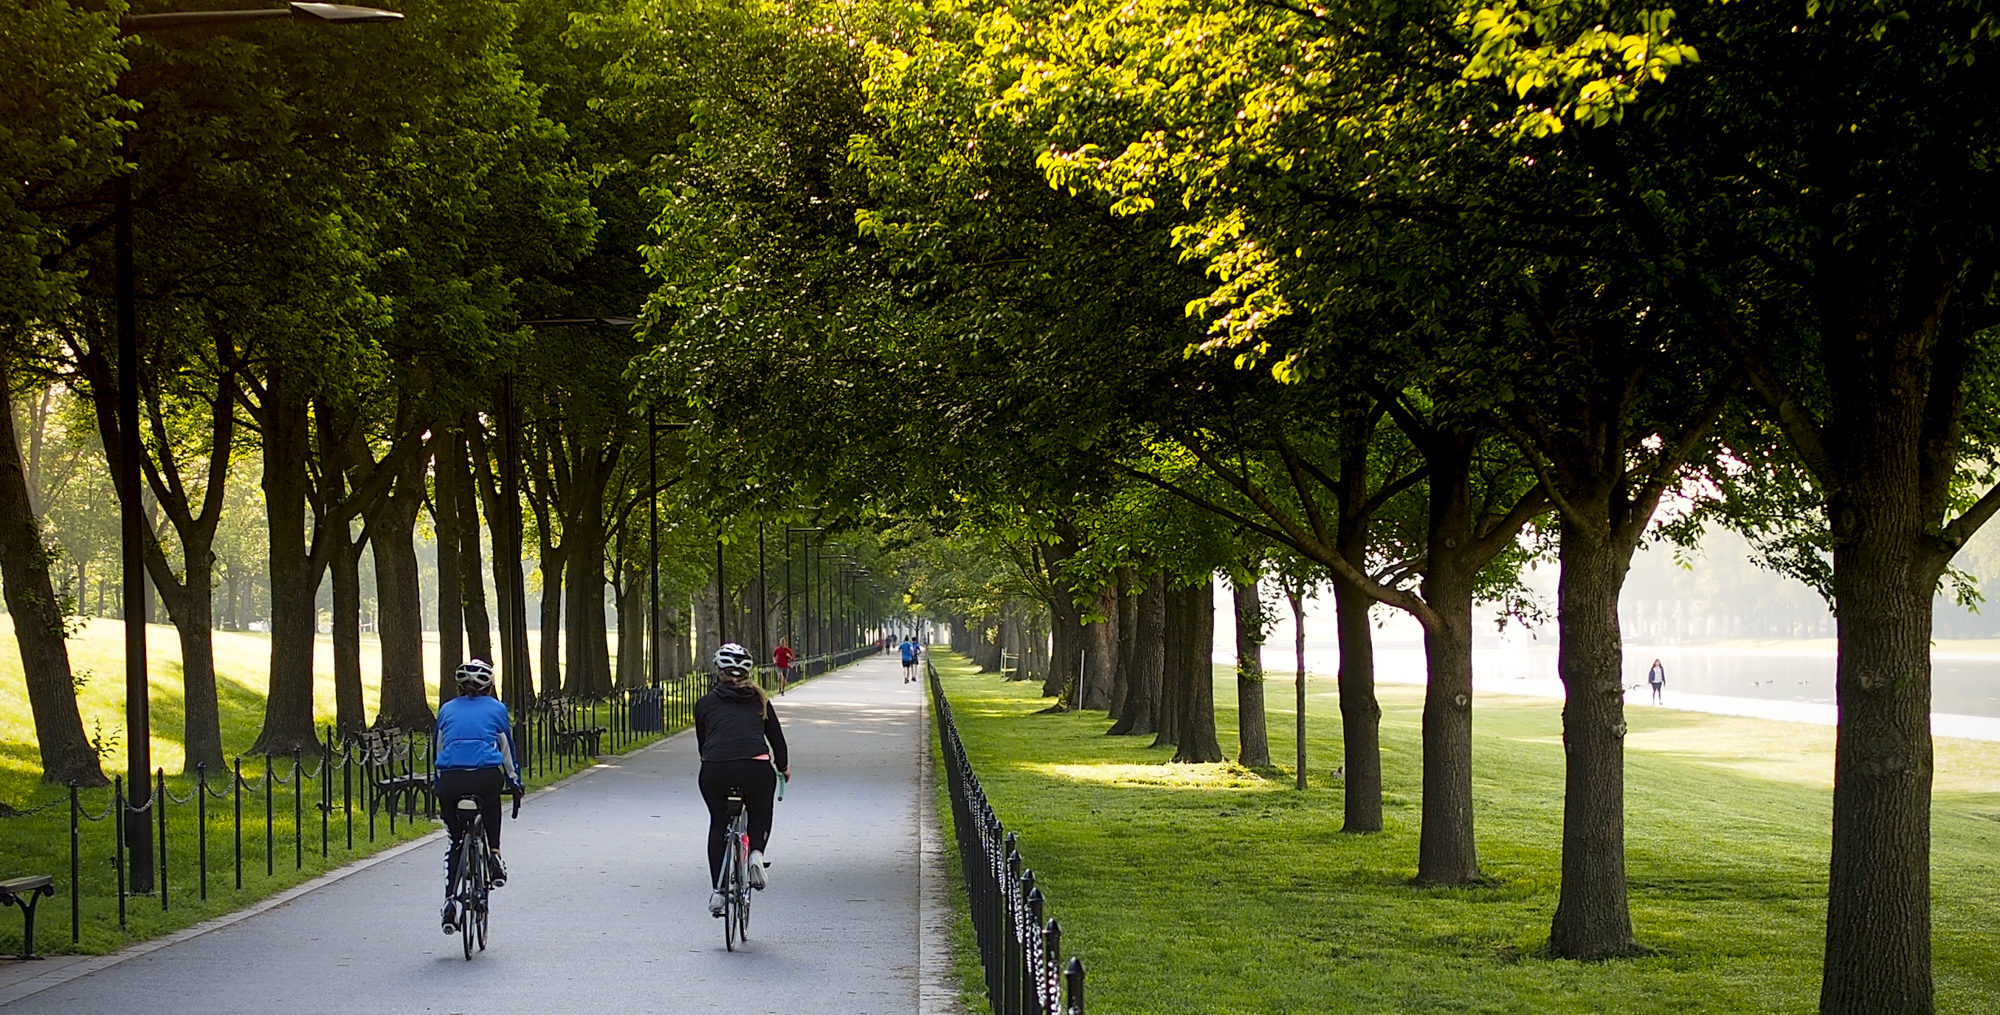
x: 782, y: 658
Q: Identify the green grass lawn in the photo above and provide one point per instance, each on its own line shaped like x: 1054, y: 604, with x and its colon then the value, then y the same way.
x: 1220, y: 890
x: 38, y: 842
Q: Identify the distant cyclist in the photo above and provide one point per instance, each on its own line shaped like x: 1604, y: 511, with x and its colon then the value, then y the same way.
x: 475, y: 758
x: 910, y: 652
x: 742, y: 748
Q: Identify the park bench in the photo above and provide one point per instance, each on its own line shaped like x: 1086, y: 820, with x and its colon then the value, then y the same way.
x: 393, y: 780
x: 571, y: 736
x: 27, y: 893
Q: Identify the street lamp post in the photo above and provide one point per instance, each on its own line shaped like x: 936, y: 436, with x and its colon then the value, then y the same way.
x: 131, y: 524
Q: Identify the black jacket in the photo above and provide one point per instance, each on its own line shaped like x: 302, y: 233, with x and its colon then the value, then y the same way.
x: 727, y: 726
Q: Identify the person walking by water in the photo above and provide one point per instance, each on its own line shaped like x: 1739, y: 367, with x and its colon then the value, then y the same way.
x: 1657, y: 677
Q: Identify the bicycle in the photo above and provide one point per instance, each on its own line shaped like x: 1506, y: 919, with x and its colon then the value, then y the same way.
x: 473, y: 885
x: 735, y: 881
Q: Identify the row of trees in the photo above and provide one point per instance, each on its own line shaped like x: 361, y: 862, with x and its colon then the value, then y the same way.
x: 1408, y: 292
x: 386, y: 279
x: 1399, y: 294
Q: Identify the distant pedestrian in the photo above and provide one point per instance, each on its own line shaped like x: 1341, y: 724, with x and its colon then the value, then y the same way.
x: 1657, y: 677
x: 910, y: 652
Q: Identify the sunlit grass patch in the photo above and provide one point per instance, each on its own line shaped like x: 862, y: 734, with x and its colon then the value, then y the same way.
x: 1203, y: 777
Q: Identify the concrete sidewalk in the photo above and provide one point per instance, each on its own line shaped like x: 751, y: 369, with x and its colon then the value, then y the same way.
x: 607, y: 906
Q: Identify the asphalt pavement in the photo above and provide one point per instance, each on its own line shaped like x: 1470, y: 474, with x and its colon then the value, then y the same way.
x: 606, y: 906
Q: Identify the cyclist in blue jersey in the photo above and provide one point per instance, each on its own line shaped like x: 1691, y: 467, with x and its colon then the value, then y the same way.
x: 475, y: 758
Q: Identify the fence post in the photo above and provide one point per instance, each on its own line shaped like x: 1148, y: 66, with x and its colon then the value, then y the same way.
x: 1074, y: 976
x: 75, y: 867
x: 1031, y: 945
x: 118, y: 829
x: 159, y: 806
x: 270, y: 847
x: 236, y: 800
x: 298, y: 809
x: 201, y: 823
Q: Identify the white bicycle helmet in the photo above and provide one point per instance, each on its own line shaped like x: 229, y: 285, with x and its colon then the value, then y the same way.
x: 733, y: 660
x: 475, y: 675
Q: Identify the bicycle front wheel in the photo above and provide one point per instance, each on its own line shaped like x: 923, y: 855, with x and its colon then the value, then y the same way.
x: 732, y: 875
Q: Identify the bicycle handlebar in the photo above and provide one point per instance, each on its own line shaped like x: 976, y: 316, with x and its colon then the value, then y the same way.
x: 517, y: 805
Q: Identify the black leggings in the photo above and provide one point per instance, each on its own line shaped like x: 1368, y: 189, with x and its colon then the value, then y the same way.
x: 482, y: 784
x: 759, y: 783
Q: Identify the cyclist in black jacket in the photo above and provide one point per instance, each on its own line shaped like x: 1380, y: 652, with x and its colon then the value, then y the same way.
x: 743, y: 748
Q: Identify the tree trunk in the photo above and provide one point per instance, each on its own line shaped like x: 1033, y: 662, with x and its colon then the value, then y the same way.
x: 1592, y: 918
x: 1446, y: 854
x: 1253, y: 739
x: 449, y: 488
x: 631, y: 628
x: 1197, y: 743
x: 344, y: 565
x: 67, y: 756
x: 1173, y: 669
x: 553, y: 571
x: 1878, y: 922
x: 503, y: 521
x: 1125, y: 643
x: 1101, y: 652
x: 585, y: 650
x: 1141, y: 714
x: 1295, y: 595
x: 1360, y: 712
x: 295, y: 574
x: 393, y: 537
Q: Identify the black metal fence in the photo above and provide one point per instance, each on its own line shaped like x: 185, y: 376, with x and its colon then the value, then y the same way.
x: 1021, y: 954
x: 209, y: 827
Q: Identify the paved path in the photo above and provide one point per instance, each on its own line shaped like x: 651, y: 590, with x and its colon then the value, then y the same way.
x: 607, y: 907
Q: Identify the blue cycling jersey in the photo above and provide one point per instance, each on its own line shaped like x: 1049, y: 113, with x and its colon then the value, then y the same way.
x: 469, y: 731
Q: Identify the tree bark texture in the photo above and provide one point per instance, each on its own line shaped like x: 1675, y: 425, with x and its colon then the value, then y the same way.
x: 1127, y: 626
x: 1446, y: 854
x: 344, y: 568
x: 1173, y: 670
x: 67, y: 756
x: 1141, y: 713
x: 503, y: 522
x: 1592, y: 918
x: 1878, y: 940
x: 399, y: 597
x: 1101, y: 652
x: 449, y: 487
x: 295, y: 573
x: 1197, y: 743
x: 1253, y: 739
